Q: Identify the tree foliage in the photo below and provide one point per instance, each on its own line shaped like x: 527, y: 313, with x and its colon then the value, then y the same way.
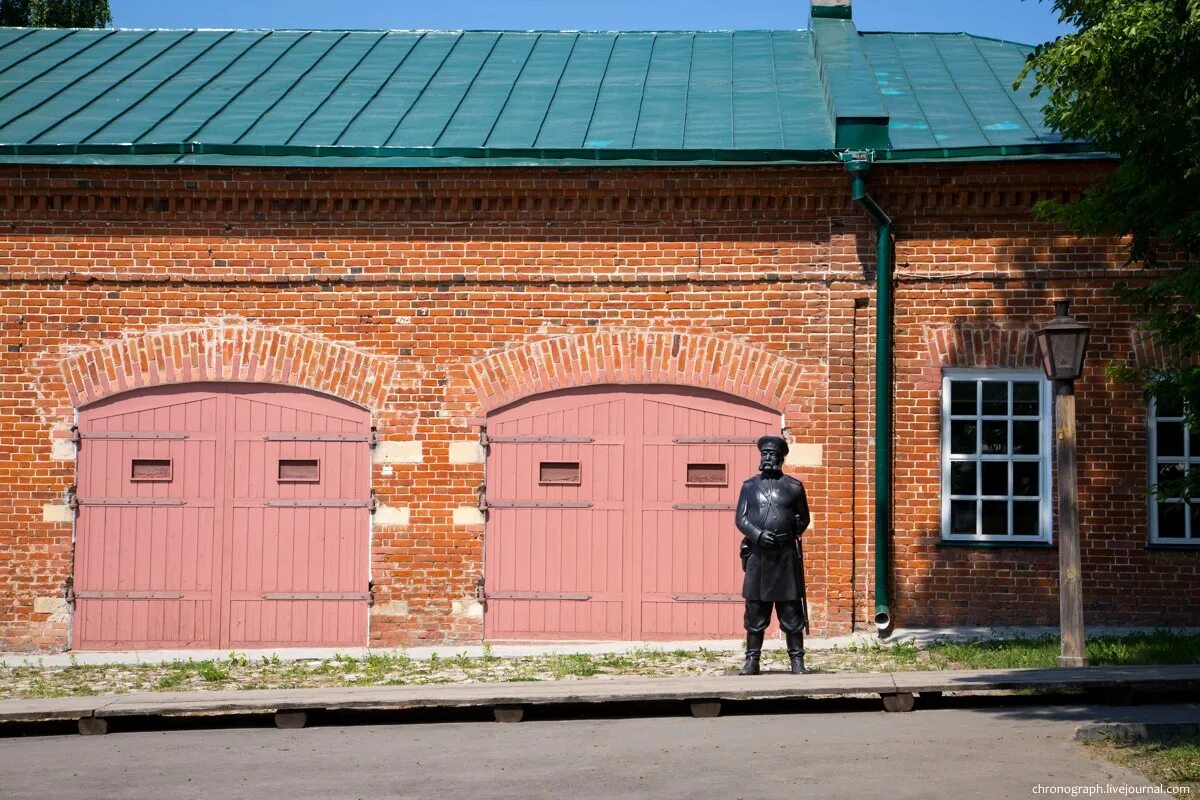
x: 55, y: 13
x: 1128, y: 80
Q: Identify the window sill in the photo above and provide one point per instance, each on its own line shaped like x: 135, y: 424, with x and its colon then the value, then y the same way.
x: 1194, y: 546
x: 994, y: 544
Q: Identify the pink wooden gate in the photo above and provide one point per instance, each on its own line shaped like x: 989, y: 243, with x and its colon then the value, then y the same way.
x: 610, y: 514
x: 222, y: 515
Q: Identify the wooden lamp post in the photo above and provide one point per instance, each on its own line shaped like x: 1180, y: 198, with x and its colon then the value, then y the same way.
x: 1063, y: 343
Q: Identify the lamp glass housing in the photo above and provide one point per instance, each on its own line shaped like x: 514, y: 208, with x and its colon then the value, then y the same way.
x: 1063, y: 344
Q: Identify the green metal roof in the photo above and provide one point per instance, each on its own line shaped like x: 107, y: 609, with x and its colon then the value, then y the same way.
x: 408, y: 98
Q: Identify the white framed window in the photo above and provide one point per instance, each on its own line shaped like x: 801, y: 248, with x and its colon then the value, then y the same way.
x: 1173, y: 451
x: 996, y: 449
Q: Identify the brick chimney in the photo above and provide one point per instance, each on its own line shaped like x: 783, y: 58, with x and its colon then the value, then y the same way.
x: 831, y: 9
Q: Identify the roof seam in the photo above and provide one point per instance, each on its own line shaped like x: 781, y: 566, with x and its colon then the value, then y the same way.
x: 75, y: 82
x: 1004, y: 90
x: 687, y: 89
x: 470, y: 85
x: 20, y: 38
x: 157, y: 86
x: 732, y: 93
x: 557, y: 85
x: 908, y: 82
x: 420, y: 93
x: 954, y: 83
x: 53, y: 67
x: 778, y: 98
x: 335, y: 89
x: 291, y: 87
x: 40, y: 50
x: 245, y: 88
x: 637, y: 120
x: 204, y: 85
x: 511, y: 90
x: 379, y: 89
x: 587, y: 131
x: 106, y: 91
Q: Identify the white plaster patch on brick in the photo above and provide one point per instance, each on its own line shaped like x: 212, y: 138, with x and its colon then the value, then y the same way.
x: 392, y: 452
x: 57, y: 512
x: 390, y: 515
x: 468, y: 608
x: 468, y: 515
x: 395, y: 608
x: 805, y: 455
x: 466, y: 453
x: 56, y: 607
x: 61, y: 446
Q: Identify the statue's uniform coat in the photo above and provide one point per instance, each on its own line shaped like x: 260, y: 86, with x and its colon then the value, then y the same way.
x: 779, y: 505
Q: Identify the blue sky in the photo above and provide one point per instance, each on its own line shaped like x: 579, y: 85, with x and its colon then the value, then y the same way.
x: 1019, y: 20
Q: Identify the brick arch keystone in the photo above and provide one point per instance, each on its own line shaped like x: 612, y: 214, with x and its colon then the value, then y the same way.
x: 636, y: 357
x: 237, y: 353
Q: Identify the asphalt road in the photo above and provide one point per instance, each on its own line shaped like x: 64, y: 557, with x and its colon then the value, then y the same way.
x: 937, y: 753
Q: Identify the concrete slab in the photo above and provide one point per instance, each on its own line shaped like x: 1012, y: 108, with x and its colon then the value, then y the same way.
x: 769, y: 686
x: 52, y: 708
x: 1157, y: 677
x: 592, y: 691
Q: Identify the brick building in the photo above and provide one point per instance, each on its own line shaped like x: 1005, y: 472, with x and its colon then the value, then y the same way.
x: 345, y: 338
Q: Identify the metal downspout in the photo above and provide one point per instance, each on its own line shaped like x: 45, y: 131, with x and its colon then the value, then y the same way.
x: 858, y: 165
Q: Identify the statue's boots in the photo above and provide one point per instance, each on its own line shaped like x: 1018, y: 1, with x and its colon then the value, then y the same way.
x: 754, y: 643
x: 795, y: 649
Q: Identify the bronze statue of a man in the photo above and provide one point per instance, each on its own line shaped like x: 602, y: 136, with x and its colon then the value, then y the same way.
x: 772, y: 513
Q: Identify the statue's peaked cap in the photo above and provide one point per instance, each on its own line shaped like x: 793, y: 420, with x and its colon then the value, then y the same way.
x: 778, y: 441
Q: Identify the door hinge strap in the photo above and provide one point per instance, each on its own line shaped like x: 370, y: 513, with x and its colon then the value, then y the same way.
x: 715, y: 440
x: 129, y: 435
x: 704, y: 506
x: 578, y: 596
x: 128, y: 596
x: 315, y: 437
x: 540, y: 440
x: 130, y: 501
x: 317, y: 503
x: 537, y: 504
x: 709, y: 598
x: 316, y: 595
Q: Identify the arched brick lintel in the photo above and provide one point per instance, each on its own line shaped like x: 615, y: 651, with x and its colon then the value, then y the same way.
x: 238, y: 353
x: 990, y: 346
x: 636, y: 357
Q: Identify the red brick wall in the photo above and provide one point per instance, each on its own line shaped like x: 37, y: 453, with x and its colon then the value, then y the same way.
x: 428, y: 295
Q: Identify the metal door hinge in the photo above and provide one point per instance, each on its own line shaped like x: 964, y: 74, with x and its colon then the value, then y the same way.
x: 709, y: 598
x: 128, y: 501
x: 572, y: 596
x: 538, y: 504
x: 319, y: 503
x: 314, y: 437
x: 130, y: 435
x: 541, y: 440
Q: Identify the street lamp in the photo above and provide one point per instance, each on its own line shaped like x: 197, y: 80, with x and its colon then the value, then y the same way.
x: 1063, y: 343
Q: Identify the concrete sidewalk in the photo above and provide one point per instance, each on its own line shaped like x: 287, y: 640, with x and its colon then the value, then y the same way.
x: 508, y: 701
